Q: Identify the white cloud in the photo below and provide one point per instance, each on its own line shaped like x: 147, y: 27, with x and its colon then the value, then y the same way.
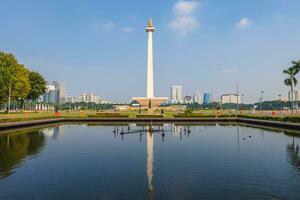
x: 185, y: 8
x: 128, y: 29
x: 184, y: 20
x: 107, y: 26
x: 184, y: 24
x: 244, y: 22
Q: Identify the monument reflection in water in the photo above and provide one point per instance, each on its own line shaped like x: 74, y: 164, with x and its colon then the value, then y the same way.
x: 150, y: 161
x: 149, y: 131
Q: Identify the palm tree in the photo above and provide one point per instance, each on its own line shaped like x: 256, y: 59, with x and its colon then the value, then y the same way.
x: 291, y: 81
x: 296, y: 64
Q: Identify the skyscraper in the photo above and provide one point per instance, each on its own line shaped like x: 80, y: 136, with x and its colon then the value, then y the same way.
x: 176, y: 94
x: 197, y: 98
x: 89, y: 98
x: 60, y: 91
x: 207, y: 98
x: 50, y: 94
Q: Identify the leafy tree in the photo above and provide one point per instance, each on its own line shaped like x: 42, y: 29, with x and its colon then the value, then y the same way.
x: 38, y: 85
x: 14, y: 78
x: 291, y: 81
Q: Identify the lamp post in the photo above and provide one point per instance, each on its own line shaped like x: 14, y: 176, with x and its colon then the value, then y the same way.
x: 261, y: 99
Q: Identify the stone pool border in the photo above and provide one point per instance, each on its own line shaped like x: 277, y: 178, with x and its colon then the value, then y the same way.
x: 275, y: 124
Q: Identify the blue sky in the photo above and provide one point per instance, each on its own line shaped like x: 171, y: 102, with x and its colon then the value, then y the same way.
x: 100, y: 46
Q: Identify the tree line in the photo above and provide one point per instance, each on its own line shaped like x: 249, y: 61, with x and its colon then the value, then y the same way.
x: 17, y: 82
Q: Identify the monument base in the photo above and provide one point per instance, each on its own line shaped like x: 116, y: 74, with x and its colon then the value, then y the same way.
x: 150, y: 102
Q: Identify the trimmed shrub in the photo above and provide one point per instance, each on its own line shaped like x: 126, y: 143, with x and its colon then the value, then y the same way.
x: 149, y: 116
x: 108, y: 115
x: 193, y: 115
x: 292, y: 119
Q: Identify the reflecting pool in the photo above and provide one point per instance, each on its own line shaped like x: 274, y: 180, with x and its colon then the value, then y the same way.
x: 150, y: 161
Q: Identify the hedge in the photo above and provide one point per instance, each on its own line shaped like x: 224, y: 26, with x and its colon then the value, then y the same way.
x: 149, y: 116
x: 108, y: 115
x: 193, y: 115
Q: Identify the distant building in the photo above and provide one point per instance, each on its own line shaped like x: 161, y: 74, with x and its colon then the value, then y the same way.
x: 197, y: 98
x: 70, y: 99
x: 176, y: 94
x: 284, y: 99
x: 89, y: 98
x: 188, y: 99
x: 121, y: 107
x: 50, y: 95
x: 60, y: 91
x: 231, y: 98
x: 295, y: 95
x: 135, y: 104
x: 207, y: 98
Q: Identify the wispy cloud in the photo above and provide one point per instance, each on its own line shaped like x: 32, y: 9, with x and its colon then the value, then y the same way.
x: 184, y: 20
x: 128, y: 29
x: 185, y: 8
x: 184, y: 24
x: 107, y: 26
x: 244, y: 22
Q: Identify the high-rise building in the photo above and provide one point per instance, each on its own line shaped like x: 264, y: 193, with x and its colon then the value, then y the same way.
x: 231, y: 98
x: 50, y: 95
x: 295, y: 95
x: 89, y: 98
x: 176, y: 94
x: 197, y: 98
x: 60, y: 91
x: 207, y: 98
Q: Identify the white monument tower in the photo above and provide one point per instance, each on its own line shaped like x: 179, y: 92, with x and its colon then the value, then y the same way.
x: 150, y: 100
x: 150, y: 29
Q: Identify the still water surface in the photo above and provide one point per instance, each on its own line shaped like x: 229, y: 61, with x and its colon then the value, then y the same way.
x: 216, y: 161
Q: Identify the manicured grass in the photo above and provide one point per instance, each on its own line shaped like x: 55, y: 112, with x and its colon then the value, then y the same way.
x: 20, y: 119
x: 27, y: 116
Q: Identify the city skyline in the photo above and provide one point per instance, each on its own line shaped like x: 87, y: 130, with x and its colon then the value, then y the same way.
x: 215, y: 50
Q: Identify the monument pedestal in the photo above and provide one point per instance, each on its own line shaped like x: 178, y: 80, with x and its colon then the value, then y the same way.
x: 150, y: 102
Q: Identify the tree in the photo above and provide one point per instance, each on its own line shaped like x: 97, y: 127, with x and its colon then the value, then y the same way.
x: 14, y: 81
x: 291, y: 81
x: 296, y: 64
x: 38, y: 86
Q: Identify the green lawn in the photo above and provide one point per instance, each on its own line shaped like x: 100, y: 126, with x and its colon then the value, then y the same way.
x: 266, y: 115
